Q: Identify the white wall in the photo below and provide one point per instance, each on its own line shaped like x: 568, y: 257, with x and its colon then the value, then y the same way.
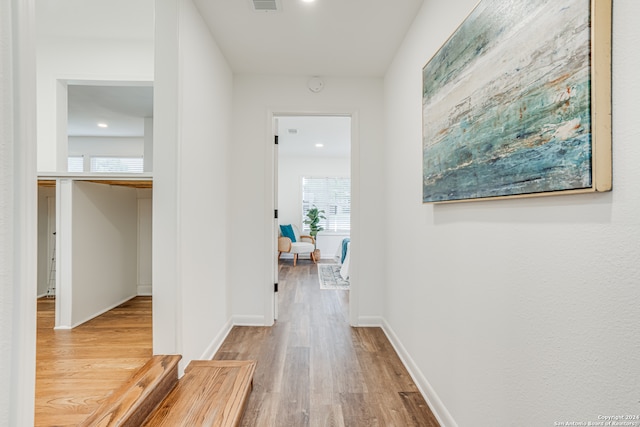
x: 104, y: 248
x: 96, y: 146
x: 191, y: 136
x: 290, y: 173
x: 251, y: 197
x: 18, y: 210
x: 47, y: 225
x: 145, y: 241
x: 93, y: 59
x: 518, y: 312
x: 18, y: 207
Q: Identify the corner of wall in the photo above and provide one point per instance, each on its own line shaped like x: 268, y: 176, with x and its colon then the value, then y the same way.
x: 445, y: 419
x: 216, y: 343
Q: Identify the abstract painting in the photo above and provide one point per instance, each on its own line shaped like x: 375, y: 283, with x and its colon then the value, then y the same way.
x: 508, y: 103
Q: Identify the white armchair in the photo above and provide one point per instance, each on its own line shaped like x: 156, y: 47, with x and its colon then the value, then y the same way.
x: 295, y: 244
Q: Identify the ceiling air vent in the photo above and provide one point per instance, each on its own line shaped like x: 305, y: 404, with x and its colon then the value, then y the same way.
x: 266, y: 5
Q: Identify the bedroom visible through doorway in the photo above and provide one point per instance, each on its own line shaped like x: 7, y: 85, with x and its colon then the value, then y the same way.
x: 313, y: 172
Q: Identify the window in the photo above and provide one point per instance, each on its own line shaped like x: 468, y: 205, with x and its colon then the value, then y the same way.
x: 333, y: 195
x: 75, y: 164
x: 117, y: 164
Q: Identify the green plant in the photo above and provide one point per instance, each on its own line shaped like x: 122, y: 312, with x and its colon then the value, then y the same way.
x: 314, y: 215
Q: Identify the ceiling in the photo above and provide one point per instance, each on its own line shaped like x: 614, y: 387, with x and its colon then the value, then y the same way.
x: 298, y: 136
x: 323, y: 38
x: 122, y: 108
x: 347, y: 38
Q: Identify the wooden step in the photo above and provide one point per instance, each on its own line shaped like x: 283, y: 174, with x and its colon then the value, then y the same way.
x: 132, y: 403
x: 211, y: 393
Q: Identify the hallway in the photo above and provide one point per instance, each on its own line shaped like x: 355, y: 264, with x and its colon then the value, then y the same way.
x: 315, y: 370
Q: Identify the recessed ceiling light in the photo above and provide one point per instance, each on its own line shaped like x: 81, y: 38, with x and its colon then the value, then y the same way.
x: 103, y: 125
x: 319, y: 145
x: 308, y: 1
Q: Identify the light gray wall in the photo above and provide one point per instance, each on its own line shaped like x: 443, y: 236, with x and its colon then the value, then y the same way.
x: 192, y: 107
x: 515, y: 312
x: 251, y: 179
x: 104, y: 248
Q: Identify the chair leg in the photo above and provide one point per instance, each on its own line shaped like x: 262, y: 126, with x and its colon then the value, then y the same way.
x: 279, y: 253
x: 295, y: 258
x: 313, y: 257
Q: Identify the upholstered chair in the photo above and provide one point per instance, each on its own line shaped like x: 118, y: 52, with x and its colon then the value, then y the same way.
x: 291, y: 241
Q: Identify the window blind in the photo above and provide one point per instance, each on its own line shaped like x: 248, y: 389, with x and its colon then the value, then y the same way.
x: 331, y: 194
x: 117, y: 164
x: 75, y: 164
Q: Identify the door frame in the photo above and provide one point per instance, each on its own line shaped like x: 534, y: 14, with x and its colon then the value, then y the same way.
x: 271, y: 248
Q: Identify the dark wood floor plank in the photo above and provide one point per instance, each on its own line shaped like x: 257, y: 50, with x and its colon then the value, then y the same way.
x: 418, y: 410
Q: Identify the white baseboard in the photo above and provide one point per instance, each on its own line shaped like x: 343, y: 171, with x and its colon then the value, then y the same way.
x: 145, y: 290
x: 437, y: 407
x: 248, y: 321
x: 370, y: 321
x: 217, y: 341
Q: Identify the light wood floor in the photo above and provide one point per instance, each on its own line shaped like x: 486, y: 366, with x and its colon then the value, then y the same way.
x: 76, y: 369
x: 315, y: 370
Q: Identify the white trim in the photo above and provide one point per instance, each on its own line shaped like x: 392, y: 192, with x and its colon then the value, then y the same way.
x: 270, y: 301
x: 145, y: 290
x: 64, y: 258
x: 215, y: 345
x: 97, y: 176
x: 20, y: 51
x: 370, y: 321
x: 435, y: 404
x: 249, y: 320
x: 269, y: 191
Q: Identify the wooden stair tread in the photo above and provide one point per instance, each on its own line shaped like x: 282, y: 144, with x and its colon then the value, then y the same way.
x: 132, y: 403
x: 211, y: 393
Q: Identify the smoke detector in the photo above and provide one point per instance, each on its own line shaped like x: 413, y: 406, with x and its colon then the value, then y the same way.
x: 315, y: 84
x: 266, y: 5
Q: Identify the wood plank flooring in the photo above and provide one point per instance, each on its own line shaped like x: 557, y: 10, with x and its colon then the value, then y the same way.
x: 211, y: 393
x: 77, y: 369
x: 315, y: 370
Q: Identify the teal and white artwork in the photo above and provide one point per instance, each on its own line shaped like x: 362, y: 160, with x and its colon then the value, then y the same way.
x: 507, y: 103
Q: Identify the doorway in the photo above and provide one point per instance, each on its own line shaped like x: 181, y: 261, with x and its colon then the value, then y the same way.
x: 313, y: 170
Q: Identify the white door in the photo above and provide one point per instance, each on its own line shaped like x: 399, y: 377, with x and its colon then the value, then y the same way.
x: 276, y: 225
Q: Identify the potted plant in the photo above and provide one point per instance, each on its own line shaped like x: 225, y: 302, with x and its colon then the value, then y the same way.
x: 314, y: 215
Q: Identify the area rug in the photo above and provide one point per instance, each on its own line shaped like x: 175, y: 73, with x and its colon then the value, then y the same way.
x: 329, y: 277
